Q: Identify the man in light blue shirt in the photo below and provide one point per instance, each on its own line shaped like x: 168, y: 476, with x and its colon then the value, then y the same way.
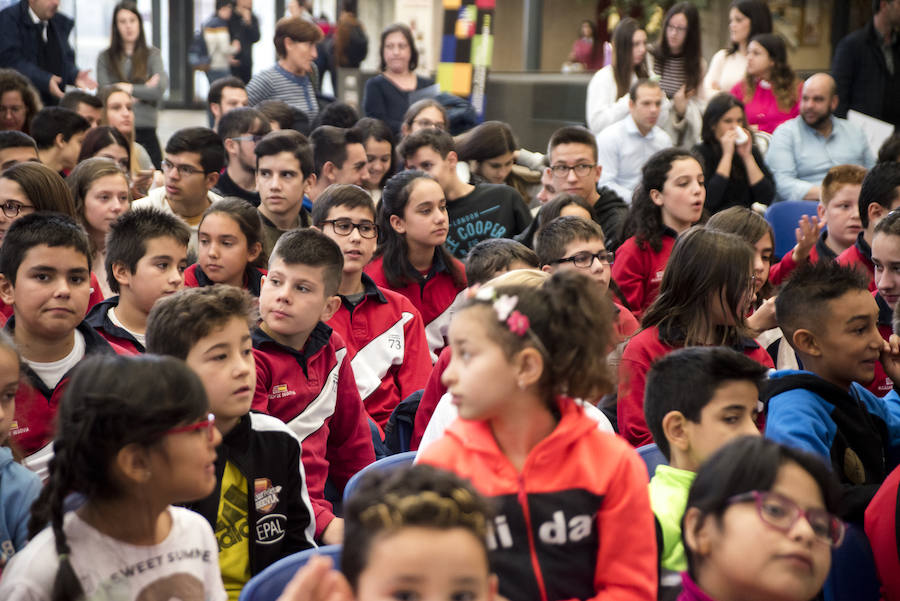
x: 624, y: 146
x: 804, y: 148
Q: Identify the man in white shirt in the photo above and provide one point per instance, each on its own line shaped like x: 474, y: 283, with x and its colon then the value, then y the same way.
x: 624, y: 146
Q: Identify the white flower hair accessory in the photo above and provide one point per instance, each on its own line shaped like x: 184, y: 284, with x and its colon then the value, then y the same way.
x: 505, y: 308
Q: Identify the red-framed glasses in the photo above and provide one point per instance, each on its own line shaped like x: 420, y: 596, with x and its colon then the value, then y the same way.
x: 209, y: 424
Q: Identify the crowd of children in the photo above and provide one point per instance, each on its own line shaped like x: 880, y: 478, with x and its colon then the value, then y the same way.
x: 609, y: 398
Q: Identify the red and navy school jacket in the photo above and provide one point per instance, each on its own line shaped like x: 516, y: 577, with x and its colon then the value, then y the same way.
x: 568, y: 526
x: 433, y: 294
x: 860, y: 254
x: 434, y: 390
x: 386, y: 346
x: 36, y: 405
x: 194, y: 277
x: 98, y: 318
x: 6, y: 311
x: 781, y: 270
x: 638, y: 270
x: 313, y: 391
x: 881, y: 524
x: 641, y: 351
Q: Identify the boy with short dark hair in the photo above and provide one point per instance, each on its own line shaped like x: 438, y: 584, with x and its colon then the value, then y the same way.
x: 476, y: 212
x: 45, y: 275
x: 489, y: 258
x: 58, y: 133
x: 340, y: 158
x: 697, y: 399
x: 146, y: 255
x: 570, y: 242
x: 303, y: 375
x: 260, y: 509
x: 830, y: 319
x: 284, y: 172
x: 384, y: 332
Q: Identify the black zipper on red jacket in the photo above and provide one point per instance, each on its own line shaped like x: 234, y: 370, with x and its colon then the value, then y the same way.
x: 535, y: 564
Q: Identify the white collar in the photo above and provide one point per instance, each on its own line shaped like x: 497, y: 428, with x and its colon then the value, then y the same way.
x: 37, y: 20
x: 632, y: 128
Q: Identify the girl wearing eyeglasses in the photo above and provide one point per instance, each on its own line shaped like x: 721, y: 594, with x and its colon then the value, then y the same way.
x: 229, y: 250
x: 760, y: 525
x: 136, y: 437
x: 705, y: 295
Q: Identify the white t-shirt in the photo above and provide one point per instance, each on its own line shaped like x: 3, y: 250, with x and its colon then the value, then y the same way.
x: 51, y: 373
x: 185, y: 566
x: 112, y: 317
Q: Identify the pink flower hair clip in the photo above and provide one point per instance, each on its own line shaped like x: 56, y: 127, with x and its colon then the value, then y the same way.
x: 505, y: 308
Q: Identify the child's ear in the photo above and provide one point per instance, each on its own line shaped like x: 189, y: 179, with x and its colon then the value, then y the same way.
x: 656, y: 197
x: 133, y: 462
x: 547, y: 268
x: 211, y: 180
x: 332, y: 304
x: 696, y: 533
x: 398, y: 224
x: 230, y: 145
x: 253, y: 252
x: 530, y: 364
x: 121, y: 273
x: 805, y: 342
x: 452, y: 158
x: 875, y: 212
x: 673, y: 427
x: 7, y: 290
x: 59, y: 141
x: 328, y: 170
x: 309, y: 182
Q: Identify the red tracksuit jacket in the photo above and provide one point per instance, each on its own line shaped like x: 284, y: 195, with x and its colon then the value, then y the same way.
x: 194, y: 277
x: 574, y: 524
x: 314, y: 393
x: 433, y: 295
x: 638, y: 270
x: 860, y: 254
x: 386, y: 347
x: 98, y: 318
x: 640, y: 352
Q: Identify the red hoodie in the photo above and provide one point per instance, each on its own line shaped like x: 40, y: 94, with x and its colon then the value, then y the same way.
x: 575, y: 523
x: 638, y: 270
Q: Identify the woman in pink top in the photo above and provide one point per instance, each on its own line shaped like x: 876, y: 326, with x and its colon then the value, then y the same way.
x: 770, y: 91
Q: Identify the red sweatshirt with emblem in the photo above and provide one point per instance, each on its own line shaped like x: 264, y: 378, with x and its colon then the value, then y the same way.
x: 386, y: 347
x: 433, y: 294
x: 313, y: 391
x: 575, y: 523
x: 860, y: 255
x: 641, y: 351
x: 638, y: 270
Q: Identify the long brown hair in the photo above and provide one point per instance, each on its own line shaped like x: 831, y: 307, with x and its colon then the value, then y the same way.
x: 622, y: 62
x: 105, y: 93
x: 116, y: 50
x: 785, y: 85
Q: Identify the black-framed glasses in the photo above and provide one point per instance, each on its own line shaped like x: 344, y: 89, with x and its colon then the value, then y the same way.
x: 249, y: 138
x: 581, y: 169
x: 781, y: 513
x: 423, y: 123
x: 11, y: 208
x: 209, y: 424
x: 585, y: 259
x: 343, y: 227
x: 183, y: 170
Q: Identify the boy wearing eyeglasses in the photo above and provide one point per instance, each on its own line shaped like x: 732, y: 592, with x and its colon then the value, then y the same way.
x: 260, y: 509
x: 240, y: 131
x: 476, y: 212
x: 194, y: 158
x: 284, y: 172
x: 697, y: 400
x: 571, y: 242
x: 384, y: 332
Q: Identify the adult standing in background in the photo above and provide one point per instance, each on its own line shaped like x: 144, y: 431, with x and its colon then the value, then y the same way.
x: 294, y: 78
x: 866, y: 66
x: 244, y: 27
x: 130, y: 64
x: 34, y: 40
x: 387, y: 95
x: 746, y: 18
x: 219, y: 46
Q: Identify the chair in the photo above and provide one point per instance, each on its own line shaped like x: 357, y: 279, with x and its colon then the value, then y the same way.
x: 388, y: 463
x: 652, y: 457
x: 269, y: 584
x: 853, y: 576
x: 783, y: 217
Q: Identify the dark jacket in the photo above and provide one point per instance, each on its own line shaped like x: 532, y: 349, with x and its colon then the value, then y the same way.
x: 19, y: 47
x: 864, y: 83
x: 279, y: 514
x: 247, y: 34
x: 735, y: 191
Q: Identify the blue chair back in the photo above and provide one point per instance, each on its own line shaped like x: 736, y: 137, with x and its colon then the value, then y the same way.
x: 652, y: 457
x: 388, y: 463
x: 269, y: 584
x: 853, y: 576
x: 783, y: 217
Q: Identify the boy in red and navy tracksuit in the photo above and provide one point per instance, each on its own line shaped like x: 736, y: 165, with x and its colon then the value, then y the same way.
x: 146, y: 255
x: 303, y: 373
x: 384, y: 332
x: 45, y: 265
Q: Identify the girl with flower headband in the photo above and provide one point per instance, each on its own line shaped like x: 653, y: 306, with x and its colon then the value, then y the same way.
x: 416, y: 533
x: 568, y: 526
